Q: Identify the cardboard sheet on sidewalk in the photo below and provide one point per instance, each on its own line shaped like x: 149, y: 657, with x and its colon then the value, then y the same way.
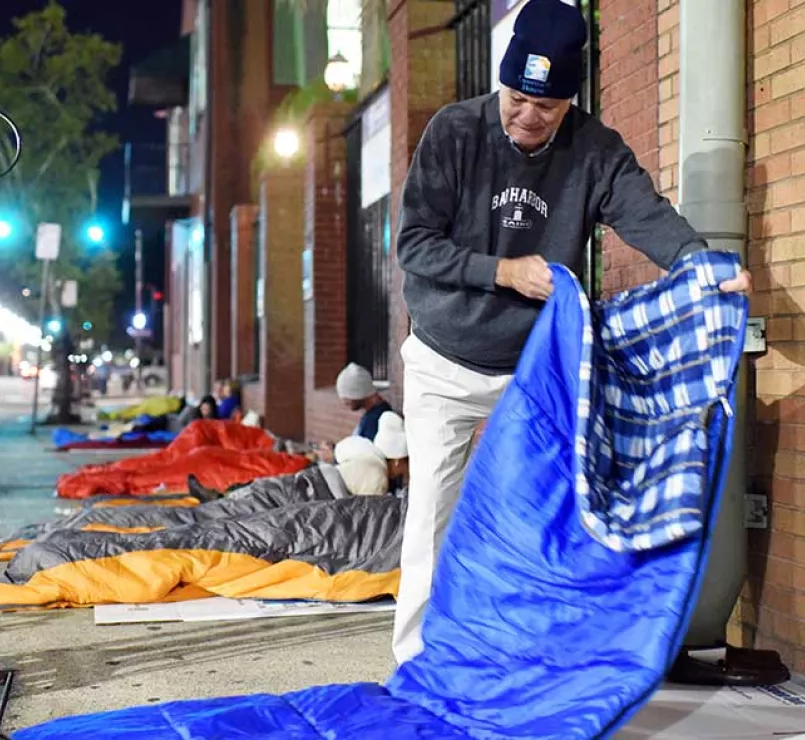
x: 682, y: 713
x: 674, y: 713
x: 220, y: 610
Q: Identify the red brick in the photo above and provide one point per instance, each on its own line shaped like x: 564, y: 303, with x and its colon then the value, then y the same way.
x: 242, y: 328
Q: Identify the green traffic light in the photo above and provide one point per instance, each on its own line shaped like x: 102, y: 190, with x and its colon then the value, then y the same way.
x: 95, y: 233
x: 87, y: 326
x: 6, y: 229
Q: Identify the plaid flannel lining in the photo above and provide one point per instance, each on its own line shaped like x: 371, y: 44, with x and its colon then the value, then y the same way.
x: 661, y: 360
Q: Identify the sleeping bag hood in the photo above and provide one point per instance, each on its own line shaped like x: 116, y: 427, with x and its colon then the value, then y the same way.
x: 572, y: 563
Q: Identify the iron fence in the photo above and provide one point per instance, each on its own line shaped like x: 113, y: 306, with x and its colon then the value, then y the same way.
x: 368, y: 268
x: 473, y: 48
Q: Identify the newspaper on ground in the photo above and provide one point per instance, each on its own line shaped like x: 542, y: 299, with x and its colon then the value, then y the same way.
x: 682, y: 712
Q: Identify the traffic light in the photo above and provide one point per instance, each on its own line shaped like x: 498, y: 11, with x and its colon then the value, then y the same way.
x: 95, y: 233
x: 54, y: 326
x: 6, y: 229
x: 87, y: 326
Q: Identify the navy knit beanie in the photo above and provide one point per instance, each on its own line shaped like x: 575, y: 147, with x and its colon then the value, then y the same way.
x: 544, y: 57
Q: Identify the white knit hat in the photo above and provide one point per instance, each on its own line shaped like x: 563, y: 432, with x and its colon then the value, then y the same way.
x: 354, y: 383
x: 365, y: 476
x: 390, y: 438
x: 357, y: 448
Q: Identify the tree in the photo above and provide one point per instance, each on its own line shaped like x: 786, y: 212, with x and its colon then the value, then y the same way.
x: 54, y: 86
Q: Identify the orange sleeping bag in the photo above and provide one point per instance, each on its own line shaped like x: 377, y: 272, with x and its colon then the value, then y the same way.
x: 221, y: 454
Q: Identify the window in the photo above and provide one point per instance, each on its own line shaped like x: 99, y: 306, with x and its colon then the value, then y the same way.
x: 473, y: 48
x: 199, y: 66
x: 195, y: 319
x: 259, y: 292
x: 369, y: 239
x: 344, y: 32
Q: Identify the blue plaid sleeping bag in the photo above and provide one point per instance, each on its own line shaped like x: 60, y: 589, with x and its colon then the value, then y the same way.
x: 572, y: 564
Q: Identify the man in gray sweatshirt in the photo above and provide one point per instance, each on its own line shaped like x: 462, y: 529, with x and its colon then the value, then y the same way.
x: 499, y: 187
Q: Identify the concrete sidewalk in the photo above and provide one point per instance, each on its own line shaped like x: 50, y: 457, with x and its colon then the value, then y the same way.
x: 66, y: 665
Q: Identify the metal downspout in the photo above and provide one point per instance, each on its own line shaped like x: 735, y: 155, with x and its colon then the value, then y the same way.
x: 712, y: 159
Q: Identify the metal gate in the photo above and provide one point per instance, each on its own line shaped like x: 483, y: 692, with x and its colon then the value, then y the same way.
x: 368, y: 268
x: 473, y: 48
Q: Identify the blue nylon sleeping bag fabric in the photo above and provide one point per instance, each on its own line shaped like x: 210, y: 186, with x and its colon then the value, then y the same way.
x: 572, y: 564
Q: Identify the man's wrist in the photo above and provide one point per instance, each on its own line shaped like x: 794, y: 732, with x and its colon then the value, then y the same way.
x: 502, y: 275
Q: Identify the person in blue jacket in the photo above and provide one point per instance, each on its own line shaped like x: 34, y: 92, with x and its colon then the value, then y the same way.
x: 499, y: 187
x: 356, y: 389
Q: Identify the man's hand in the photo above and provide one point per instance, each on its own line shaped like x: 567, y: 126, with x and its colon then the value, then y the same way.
x: 740, y: 284
x: 530, y: 276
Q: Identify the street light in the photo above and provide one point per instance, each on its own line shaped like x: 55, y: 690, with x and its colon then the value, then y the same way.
x: 286, y: 143
x: 338, y: 75
x: 139, y: 321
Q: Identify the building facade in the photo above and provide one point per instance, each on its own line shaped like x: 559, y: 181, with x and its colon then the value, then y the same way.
x: 640, y: 91
x: 286, y: 272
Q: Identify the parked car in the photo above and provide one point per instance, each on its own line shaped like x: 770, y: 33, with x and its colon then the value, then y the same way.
x: 155, y: 374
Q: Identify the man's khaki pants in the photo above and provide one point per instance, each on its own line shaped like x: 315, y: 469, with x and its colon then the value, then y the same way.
x: 444, y: 405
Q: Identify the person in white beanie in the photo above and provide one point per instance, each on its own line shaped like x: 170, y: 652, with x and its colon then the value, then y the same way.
x: 364, y: 476
x: 356, y: 389
x: 391, y: 441
x: 362, y: 466
x: 354, y: 448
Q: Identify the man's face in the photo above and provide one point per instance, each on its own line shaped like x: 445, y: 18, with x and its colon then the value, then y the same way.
x: 353, y: 405
x: 530, y: 121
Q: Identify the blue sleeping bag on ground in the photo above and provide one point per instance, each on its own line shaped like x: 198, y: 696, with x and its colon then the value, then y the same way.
x: 572, y: 564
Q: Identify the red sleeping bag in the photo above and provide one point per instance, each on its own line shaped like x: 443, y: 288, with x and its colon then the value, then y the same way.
x: 221, y: 454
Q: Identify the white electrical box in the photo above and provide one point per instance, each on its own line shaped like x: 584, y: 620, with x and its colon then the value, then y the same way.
x: 755, y: 342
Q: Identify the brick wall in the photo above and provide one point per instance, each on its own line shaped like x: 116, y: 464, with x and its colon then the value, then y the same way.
x: 224, y: 196
x: 630, y: 101
x: 242, y: 328
x: 282, y: 357
x: 325, y: 314
x: 422, y: 79
x: 771, y: 612
x: 244, y: 98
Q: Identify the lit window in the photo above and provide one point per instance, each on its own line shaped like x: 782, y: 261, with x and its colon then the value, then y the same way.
x: 344, y: 33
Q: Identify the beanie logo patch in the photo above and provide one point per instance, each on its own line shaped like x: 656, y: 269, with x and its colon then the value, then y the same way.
x: 537, y: 68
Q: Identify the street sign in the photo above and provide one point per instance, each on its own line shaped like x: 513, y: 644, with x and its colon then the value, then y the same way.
x: 69, y: 294
x: 48, y: 241
x: 139, y: 333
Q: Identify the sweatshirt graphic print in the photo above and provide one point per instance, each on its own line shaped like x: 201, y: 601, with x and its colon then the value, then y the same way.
x: 471, y: 198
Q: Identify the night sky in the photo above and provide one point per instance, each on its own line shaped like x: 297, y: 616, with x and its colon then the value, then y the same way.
x: 141, y: 26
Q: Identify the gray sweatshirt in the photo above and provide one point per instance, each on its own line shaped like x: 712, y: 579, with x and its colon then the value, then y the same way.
x: 471, y: 197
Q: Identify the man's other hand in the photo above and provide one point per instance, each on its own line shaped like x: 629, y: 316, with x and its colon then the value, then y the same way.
x: 530, y: 276
x: 740, y: 284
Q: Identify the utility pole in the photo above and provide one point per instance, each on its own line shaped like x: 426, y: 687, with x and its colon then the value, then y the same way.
x: 48, y: 242
x: 42, y: 306
x: 138, y: 271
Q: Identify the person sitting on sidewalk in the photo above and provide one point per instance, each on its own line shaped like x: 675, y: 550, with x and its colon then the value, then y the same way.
x: 230, y: 405
x: 356, y: 389
x: 391, y: 441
